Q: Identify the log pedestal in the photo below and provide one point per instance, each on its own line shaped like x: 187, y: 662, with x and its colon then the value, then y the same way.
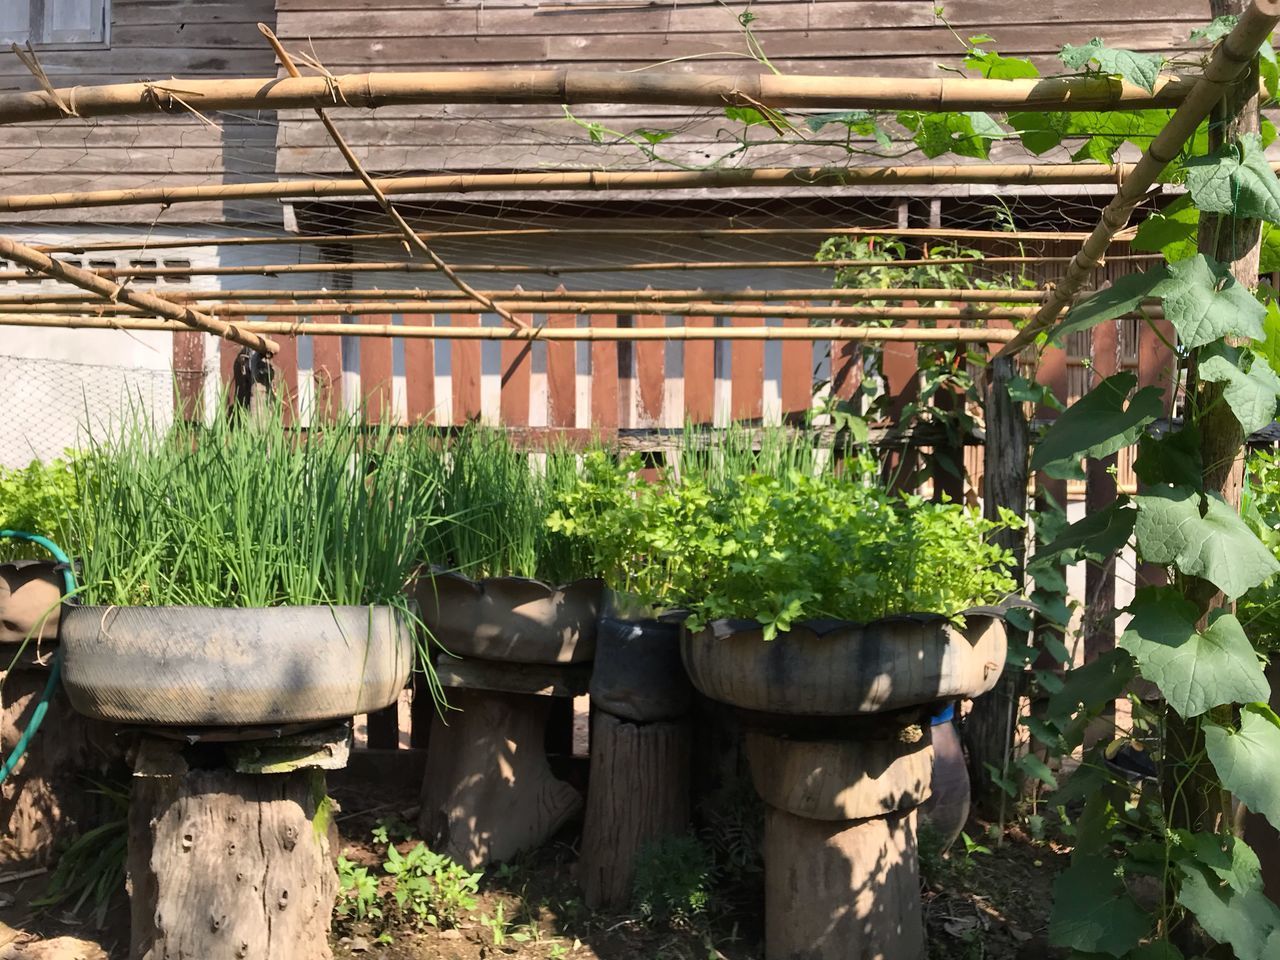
x: 489, y: 792
x: 230, y: 849
x: 841, y: 870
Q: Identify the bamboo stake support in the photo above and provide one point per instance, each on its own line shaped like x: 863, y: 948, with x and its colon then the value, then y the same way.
x: 114, y: 292
x: 571, y: 86
x: 411, y: 266
x: 765, y: 178
x: 622, y: 334
x: 700, y: 233
x: 1230, y: 59
x: 417, y: 297
x: 414, y: 241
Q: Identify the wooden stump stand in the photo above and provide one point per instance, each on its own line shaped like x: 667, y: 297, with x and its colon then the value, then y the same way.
x: 840, y: 859
x: 489, y: 792
x: 225, y: 863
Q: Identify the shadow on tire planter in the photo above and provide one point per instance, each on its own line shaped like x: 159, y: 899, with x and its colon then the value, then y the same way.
x: 514, y: 619
x: 233, y: 666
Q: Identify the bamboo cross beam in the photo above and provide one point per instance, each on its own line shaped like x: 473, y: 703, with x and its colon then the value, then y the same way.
x: 766, y: 178
x: 411, y: 266
x: 699, y: 233
x: 572, y: 86
x: 45, y: 265
x: 409, y: 236
x: 621, y: 334
x: 633, y: 298
x: 1230, y: 59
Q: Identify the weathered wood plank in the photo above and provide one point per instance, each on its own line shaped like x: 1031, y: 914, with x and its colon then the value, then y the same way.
x: 562, y: 375
x: 420, y: 378
x: 604, y: 377
x: 746, y: 362
x: 699, y: 375
x: 375, y: 375
x: 466, y: 371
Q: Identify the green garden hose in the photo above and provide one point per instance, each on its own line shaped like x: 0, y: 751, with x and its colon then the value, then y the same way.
x: 42, y: 707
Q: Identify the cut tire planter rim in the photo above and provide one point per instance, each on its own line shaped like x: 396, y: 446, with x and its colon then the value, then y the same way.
x: 515, y: 619
x: 837, y: 668
x: 233, y: 666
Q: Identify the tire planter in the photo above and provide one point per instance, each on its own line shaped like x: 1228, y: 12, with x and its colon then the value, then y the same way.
x: 205, y: 666
x: 839, y: 746
x: 29, y: 594
x: 835, y: 668
x: 947, y: 809
x: 514, y: 619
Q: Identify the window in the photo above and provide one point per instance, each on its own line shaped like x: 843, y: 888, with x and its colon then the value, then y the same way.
x: 53, y: 22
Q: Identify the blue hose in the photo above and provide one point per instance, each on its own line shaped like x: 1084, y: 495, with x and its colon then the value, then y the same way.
x: 42, y: 707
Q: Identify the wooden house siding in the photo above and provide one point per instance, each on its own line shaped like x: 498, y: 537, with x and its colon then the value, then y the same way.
x: 871, y: 37
x: 147, y: 39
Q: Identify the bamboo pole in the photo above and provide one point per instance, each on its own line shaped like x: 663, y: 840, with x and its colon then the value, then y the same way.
x: 410, y: 266
x: 114, y: 292
x: 572, y: 86
x: 1230, y: 59
x: 279, y: 328
x: 418, y: 296
x: 682, y: 309
x: 701, y: 233
x: 410, y: 237
x: 591, y: 180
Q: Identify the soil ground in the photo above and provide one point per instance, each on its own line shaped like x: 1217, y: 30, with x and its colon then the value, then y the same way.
x: 988, y: 903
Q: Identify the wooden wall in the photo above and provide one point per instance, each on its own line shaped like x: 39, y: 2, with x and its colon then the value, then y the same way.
x: 148, y: 39
x: 876, y: 37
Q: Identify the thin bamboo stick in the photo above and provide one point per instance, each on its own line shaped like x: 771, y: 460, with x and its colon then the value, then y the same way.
x: 904, y: 334
x: 571, y: 86
x: 681, y: 309
x: 414, y: 241
x: 1230, y: 59
x: 409, y: 266
x: 302, y: 239
x: 114, y: 292
x: 591, y: 180
x: 417, y: 296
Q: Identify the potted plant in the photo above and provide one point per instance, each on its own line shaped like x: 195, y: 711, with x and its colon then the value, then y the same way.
x: 505, y: 585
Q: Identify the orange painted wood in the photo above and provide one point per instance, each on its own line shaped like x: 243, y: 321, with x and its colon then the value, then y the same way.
x: 466, y: 371
x: 285, y: 363
x: 746, y: 372
x: 604, y: 378
x: 1156, y: 368
x: 516, y: 372
x: 326, y: 372
x: 188, y: 374
x: 699, y: 375
x: 419, y: 371
x: 650, y: 372
x: 562, y: 375
x: 375, y: 375
x: 227, y: 352
x: 846, y: 369
x: 797, y: 375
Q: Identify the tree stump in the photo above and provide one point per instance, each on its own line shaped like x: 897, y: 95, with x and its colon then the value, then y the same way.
x: 47, y: 798
x: 639, y: 793
x: 842, y: 890
x: 227, y: 865
x: 489, y: 793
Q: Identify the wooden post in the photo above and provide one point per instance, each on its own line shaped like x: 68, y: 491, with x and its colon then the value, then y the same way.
x: 227, y: 864
x: 989, y: 728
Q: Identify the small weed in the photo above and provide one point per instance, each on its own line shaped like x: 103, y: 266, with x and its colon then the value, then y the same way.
x: 357, y: 893
x: 430, y: 888
x: 391, y: 830
x: 673, y: 880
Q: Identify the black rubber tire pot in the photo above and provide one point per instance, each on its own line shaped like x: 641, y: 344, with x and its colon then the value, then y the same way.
x: 234, y: 666
x: 836, y: 668
x: 638, y: 673
x: 513, y: 619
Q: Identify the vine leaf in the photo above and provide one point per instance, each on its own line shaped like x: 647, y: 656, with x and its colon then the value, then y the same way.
x: 1123, y: 296
x: 1174, y: 458
x: 1204, y: 303
x: 1216, y: 545
x: 1195, y: 671
x: 1092, y: 686
x: 1093, y: 912
x: 967, y: 134
x: 1159, y: 950
x: 1095, y: 537
x: 1252, y: 394
x: 1246, y: 758
x: 1172, y: 231
x: 1245, y: 918
x: 1142, y: 69
x: 1097, y: 425
x: 1235, y: 179
x: 996, y: 66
